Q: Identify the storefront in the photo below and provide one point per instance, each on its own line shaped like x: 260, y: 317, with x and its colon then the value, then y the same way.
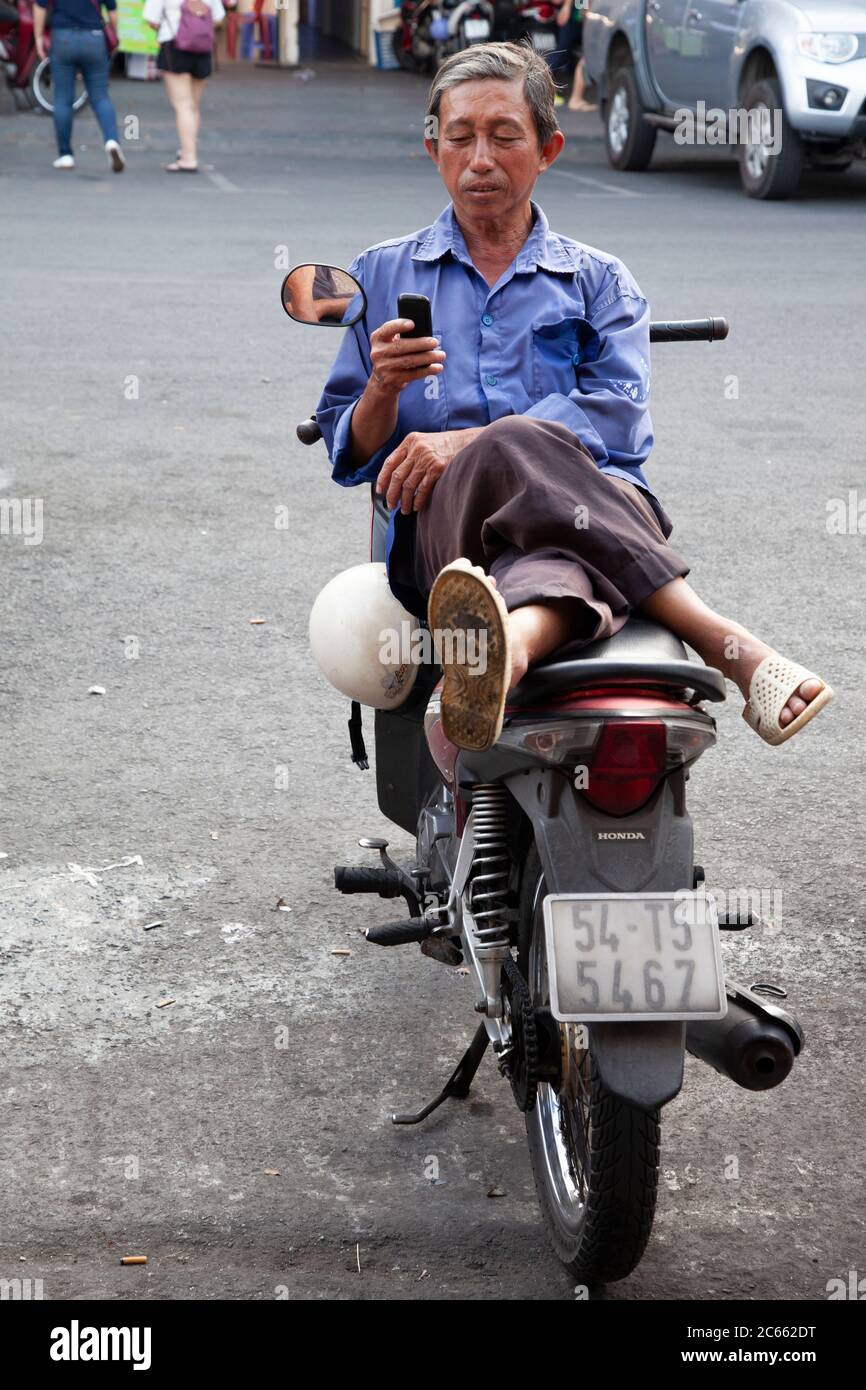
x: 349, y: 22
x: 274, y: 30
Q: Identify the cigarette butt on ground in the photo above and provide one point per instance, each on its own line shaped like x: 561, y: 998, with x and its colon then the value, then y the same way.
x: 341, y: 951
x: 164, y: 1003
x: 134, y: 1260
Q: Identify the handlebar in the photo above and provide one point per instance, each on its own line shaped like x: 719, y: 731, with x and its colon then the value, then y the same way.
x: 673, y: 331
x: 690, y: 331
x: 309, y: 431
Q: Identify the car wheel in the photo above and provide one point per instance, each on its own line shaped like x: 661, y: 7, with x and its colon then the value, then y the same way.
x: 630, y: 141
x: 765, y: 174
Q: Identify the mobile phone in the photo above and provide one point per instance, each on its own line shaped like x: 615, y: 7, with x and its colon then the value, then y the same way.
x: 417, y: 308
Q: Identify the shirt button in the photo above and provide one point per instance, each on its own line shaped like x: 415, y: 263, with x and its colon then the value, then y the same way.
x: 487, y: 319
x: 575, y: 358
x: 491, y: 380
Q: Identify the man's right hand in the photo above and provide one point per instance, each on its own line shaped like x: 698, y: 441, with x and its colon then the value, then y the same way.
x: 396, y: 361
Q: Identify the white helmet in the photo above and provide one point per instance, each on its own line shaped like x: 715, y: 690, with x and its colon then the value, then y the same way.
x: 361, y: 638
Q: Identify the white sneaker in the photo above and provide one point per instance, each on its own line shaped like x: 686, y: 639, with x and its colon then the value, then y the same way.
x: 65, y: 161
x: 115, y: 156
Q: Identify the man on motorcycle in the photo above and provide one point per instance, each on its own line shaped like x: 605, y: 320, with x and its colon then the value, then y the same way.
x: 520, y: 504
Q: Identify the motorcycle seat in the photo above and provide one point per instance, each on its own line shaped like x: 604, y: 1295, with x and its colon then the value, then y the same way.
x: 641, y: 653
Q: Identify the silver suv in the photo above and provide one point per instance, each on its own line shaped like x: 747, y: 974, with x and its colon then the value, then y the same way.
x: 785, y: 82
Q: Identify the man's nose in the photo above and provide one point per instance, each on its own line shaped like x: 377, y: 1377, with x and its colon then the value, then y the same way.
x: 482, y: 154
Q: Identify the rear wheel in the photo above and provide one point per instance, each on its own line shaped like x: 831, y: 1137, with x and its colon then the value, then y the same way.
x: 405, y: 57
x: 594, y: 1158
x: 764, y: 174
x: 629, y: 139
x: 40, y: 87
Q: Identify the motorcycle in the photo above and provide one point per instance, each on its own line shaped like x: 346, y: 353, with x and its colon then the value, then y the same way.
x: 559, y: 867
x: 431, y: 32
x: 28, y: 75
x: 536, y: 20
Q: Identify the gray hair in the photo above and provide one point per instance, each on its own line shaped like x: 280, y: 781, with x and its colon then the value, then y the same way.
x: 502, y: 62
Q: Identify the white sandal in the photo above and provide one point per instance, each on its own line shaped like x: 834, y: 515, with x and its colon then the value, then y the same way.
x: 773, y: 683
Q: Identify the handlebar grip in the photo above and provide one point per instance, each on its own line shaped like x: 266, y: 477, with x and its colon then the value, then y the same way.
x: 689, y: 331
x: 309, y: 431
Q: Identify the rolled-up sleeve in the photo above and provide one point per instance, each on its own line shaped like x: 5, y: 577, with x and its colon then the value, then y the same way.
x: 347, y: 378
x: 608, y: 409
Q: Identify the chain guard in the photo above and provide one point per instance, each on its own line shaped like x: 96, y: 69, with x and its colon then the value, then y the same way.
x: 521, y: 1068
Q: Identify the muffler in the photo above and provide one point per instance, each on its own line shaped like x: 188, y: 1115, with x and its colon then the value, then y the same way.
x: 754, y: 1044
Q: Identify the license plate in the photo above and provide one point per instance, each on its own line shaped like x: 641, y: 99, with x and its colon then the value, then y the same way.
x: 543, y: 42
x: 476, y: 29
x: 641, y: 956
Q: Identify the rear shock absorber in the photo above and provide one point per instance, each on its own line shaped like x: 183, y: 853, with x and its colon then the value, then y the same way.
x: 488, y: 886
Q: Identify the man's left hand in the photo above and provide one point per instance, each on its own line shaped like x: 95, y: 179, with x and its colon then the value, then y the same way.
x: 409, y: 475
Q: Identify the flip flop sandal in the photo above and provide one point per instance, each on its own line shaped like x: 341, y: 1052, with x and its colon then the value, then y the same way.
x: 771, y: 687
x: 469, y: 623
x: 180, y: 168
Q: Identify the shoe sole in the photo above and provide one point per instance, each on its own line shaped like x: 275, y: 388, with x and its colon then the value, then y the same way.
x: 118, y: 163
x: 473, y: 701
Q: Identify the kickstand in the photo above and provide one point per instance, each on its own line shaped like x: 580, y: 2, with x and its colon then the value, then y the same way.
x: 459, y: 1081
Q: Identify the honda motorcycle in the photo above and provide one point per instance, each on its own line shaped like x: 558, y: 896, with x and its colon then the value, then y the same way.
x: 559, y: 868
x: 430, y: 32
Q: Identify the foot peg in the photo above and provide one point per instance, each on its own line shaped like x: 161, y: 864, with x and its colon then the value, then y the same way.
x: 352, y: 878
x: 400, y: 933
x: 388, y: 880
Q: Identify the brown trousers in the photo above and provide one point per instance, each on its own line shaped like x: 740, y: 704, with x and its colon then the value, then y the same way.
x: 528, y: 503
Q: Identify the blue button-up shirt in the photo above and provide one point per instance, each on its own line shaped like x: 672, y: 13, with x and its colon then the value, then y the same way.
x: 563, y: 335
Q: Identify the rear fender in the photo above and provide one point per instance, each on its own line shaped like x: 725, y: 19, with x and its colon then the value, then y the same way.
x: 641, y: 1063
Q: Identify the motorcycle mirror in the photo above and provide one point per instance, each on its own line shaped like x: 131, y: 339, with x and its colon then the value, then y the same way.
x: 324, y: 295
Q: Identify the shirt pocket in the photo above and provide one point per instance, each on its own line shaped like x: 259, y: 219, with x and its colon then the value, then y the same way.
x: 424, y: 404
x: 560, y: 346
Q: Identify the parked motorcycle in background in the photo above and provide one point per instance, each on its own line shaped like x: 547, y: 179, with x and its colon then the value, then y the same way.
x: 536, y: 20
x: 431, y: 32
x: 558, y: 867
x: 28, y: 76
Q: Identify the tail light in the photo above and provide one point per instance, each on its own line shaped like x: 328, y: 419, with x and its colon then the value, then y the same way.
x: 627, y: 764
x: 616, y: 763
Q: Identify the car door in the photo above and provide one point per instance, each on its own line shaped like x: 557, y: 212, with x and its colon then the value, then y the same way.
x: 664, y: 26
x: 708, y: 37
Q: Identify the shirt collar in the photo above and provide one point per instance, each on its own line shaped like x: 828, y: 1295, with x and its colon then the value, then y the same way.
x: 542, y: 250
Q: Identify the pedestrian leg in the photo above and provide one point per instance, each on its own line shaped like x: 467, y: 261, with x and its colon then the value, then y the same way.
x: 179, y: 86
x: 93, y: 61
x: 197, y: 93
x: 63, y: 70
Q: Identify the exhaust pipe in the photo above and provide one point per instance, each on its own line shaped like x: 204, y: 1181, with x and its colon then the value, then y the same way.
x: 754, y: 1044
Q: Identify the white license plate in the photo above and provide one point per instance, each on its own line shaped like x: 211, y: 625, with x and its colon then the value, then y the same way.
x: 543, y: 42
x: 641, y: 956
x: 476, y: 29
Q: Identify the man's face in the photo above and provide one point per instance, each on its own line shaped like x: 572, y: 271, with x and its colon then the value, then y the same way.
x: 488, y: 152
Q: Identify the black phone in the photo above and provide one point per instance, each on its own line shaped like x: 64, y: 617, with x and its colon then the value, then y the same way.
x: 417, y: 308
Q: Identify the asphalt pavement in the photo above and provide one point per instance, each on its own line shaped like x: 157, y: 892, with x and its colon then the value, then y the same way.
x: 214, y: 1091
